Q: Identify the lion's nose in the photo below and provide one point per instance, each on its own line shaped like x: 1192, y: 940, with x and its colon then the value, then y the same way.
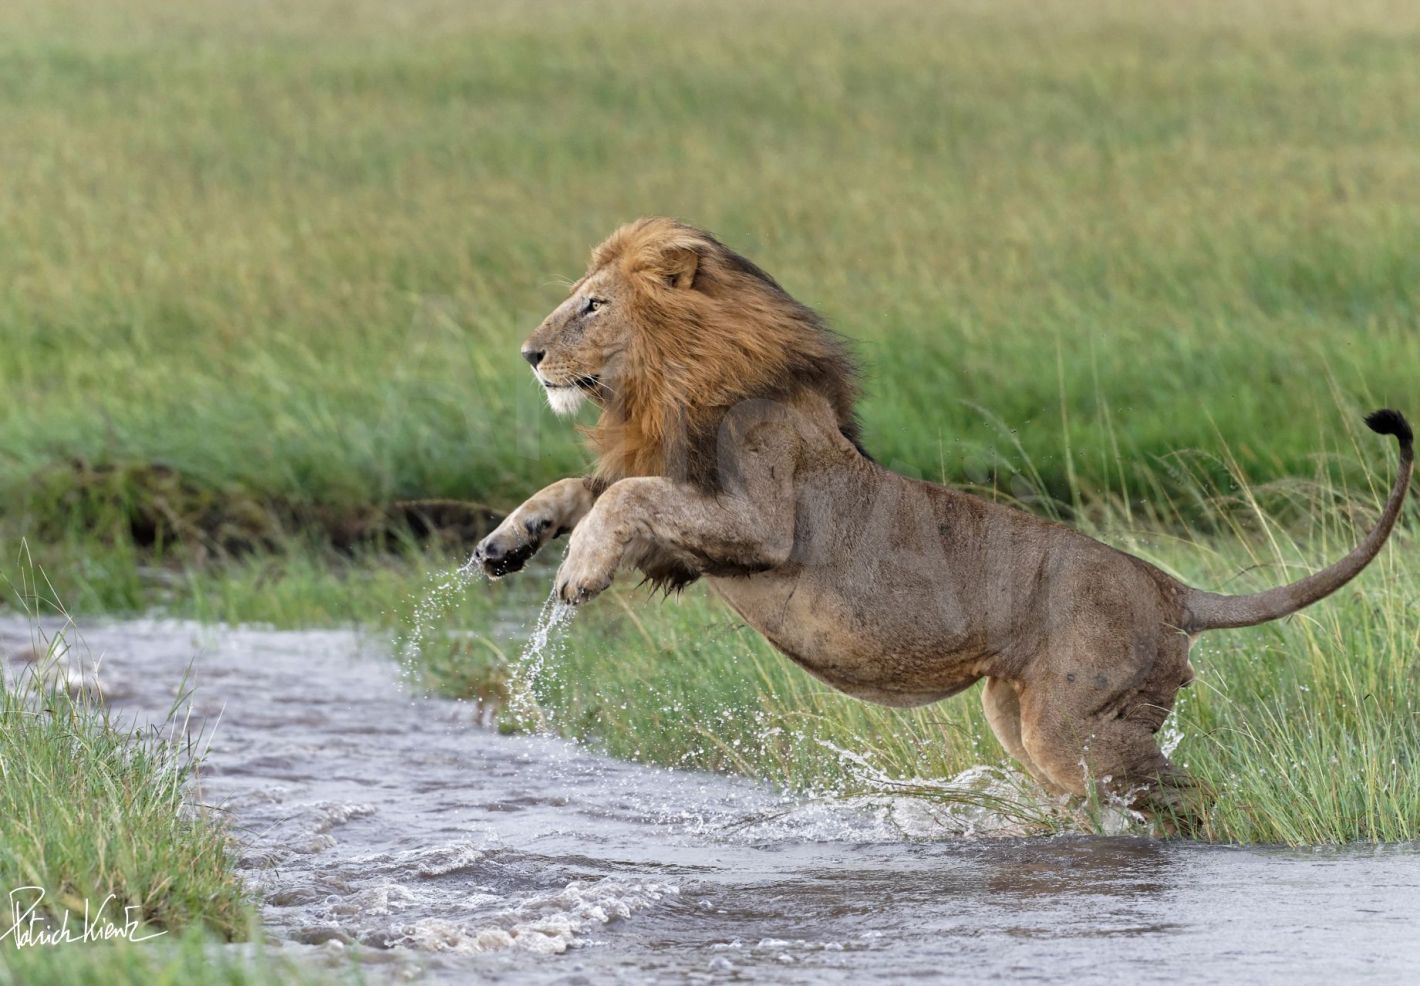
x: 534, y: 356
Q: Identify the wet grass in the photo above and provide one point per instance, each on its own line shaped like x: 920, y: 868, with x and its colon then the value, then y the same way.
x: 91, y: 810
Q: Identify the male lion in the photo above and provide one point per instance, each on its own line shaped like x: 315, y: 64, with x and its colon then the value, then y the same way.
x: 727, y: 448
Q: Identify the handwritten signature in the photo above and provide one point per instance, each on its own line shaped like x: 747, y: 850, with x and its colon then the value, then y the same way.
x: 30, y: 926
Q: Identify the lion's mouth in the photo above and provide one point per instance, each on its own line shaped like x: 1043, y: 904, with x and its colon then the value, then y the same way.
x: 566, y: 397
x: 589, y: 383
x: 592, y: 386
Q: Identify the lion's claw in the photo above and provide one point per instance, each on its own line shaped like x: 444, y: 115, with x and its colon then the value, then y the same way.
x: 504, y: 551
x: 584, y: 575
x: 574, y: 593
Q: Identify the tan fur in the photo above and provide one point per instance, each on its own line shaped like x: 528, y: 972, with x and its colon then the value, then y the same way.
x: 727, y: 449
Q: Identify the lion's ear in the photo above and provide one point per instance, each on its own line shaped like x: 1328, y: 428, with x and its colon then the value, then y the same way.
x: 677, y: 267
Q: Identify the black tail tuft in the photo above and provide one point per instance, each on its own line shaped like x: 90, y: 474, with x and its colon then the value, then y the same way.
x: 1388, y: 422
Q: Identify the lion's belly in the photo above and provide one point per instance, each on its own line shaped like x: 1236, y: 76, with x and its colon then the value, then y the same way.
x: 846, y: 639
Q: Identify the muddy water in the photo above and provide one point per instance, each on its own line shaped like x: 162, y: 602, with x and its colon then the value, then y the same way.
x: 391, y: 826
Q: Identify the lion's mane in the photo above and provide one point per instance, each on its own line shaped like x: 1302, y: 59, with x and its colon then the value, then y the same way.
x: 708, y: 330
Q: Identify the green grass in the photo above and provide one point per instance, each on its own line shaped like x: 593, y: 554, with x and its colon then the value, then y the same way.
x: 122, y: 824
x: 93, y: 812
x: 290, y: 252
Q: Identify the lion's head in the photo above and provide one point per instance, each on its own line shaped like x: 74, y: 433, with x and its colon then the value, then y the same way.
x: 666, y: 332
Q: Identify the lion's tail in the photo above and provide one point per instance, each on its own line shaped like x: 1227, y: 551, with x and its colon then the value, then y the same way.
x: 1211, y: 611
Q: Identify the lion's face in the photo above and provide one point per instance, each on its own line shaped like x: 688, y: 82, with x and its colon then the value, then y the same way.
x: 579, y: 350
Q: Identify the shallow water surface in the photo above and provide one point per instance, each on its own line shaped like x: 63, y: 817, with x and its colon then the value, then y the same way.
x: 375, y: 820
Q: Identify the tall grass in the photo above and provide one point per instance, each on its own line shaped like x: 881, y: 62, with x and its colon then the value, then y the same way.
x: 98, y: 823
x: 91, y: 809
x: 289, y: 251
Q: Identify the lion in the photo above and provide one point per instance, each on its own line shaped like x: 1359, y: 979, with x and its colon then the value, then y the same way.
x: 727, y: 449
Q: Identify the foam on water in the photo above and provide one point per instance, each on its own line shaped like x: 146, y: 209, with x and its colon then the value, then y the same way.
x: 547, y: 924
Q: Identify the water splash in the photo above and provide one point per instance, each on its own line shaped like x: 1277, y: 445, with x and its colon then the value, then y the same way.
x: 1170, y: 736
x: 431, y: 608
x: 532, y: 662
x: 980, y: 802
x: 523, y: 673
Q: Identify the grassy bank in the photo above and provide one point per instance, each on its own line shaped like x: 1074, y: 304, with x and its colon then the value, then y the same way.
x: 93, y: 813
x: 122, y: 826
x: 288, y: 252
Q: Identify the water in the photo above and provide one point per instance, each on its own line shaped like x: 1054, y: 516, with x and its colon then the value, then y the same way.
x: 378, y: 823
x: 528, y: 668
x: 432, y: 606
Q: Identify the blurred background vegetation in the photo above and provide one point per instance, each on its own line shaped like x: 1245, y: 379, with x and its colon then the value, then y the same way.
x: 267, y: 265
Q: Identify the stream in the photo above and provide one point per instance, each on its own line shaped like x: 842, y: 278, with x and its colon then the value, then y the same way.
x: 393, y: 826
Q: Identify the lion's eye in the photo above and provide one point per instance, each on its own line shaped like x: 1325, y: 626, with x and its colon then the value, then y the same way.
x: 593, y: 304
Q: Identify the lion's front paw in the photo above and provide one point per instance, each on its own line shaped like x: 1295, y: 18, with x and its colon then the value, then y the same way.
x: 585, y: 574
x: 509, y: 547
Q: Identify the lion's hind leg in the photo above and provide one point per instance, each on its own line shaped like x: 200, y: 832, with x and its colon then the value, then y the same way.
x: 1003, y: 714
x: 1088, y: 737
